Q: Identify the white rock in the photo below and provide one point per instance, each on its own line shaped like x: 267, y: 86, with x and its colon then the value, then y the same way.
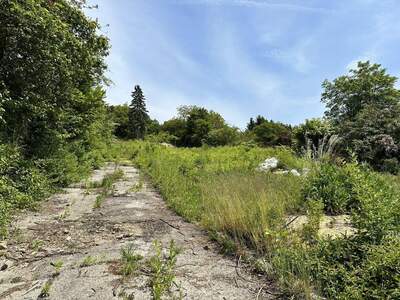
x: 294, y: 172
x: 268, y: 165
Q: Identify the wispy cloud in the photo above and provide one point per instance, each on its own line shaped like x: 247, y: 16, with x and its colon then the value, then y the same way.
x: 257, y: 4
x: 243, y: 57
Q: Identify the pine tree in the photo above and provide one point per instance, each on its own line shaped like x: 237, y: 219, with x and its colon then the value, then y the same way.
x: 251, y: 125
x: 138, y: 114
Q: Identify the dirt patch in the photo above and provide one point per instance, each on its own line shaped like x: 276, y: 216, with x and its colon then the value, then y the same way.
x: 52, y: 244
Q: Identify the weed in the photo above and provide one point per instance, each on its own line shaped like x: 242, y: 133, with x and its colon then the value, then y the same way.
x: 88, y: 261
x: 106, y: 186
x: 126, y: 296
x: 36, y: 244
x: 129, y: 260
x: 66, y: 212
x: 57, y: 266
x: 99, y: 200
x: 137, y: 186
x: 45, y: 292
x: 162, y: 269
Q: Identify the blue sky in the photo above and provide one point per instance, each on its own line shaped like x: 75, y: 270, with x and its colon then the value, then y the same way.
x: 242, y: 58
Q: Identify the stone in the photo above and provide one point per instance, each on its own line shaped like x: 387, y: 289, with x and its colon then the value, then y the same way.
x: 268, y: 165
x: 3, y: 267
x: 294, y: 172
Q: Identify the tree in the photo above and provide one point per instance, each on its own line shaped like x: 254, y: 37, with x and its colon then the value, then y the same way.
x: 260, y: 120
x: 313, y: 130
x: 119, y: 115
x: 251, y: 124
x: 176, y: 127
x: 269, y: 133
x: 364, y: 108
x: 138, y: 114
x: 223, y: 136
x: 196, y: 126
x: 51, y: 69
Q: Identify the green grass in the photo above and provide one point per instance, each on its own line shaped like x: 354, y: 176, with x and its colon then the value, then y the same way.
x: 106, y: 186
x: 88, y: 261
x: 57, y: 266
x: 242, y: 209
x: 129, y: 260
x: 45, y: 291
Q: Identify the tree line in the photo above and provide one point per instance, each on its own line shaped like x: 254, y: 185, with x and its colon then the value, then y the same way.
x: 362, y: 112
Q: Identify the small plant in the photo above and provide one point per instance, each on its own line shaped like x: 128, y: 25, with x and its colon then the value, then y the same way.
x: 162, y: 269
x: 57, y: 266
x: 66, y: 212
x: 36, y: 244
x: 129, y: 260
x: 99, y: 200
x: 88, y: 261
x: 137, y: 187
x: 107, y: 186
x: 45, y: 292
x: 125, y: 296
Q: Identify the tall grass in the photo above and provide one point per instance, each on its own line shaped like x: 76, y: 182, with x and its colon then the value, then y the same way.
x: 243, y: 209
x: 249, y: 207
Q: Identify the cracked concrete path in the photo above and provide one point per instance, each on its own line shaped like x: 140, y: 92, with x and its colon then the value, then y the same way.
x: 68, y: 229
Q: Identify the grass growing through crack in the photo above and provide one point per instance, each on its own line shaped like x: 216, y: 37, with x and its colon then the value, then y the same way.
x: 88, y: 261
x: 106, y: 186
x: 162, y: 269
x: 57, y: 266
x: 36, y: 244
x: 130, y: 260
x: 45, y: 292
x: 99, y: 200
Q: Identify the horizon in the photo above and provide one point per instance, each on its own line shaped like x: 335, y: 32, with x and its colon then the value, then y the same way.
x: 242, y: 58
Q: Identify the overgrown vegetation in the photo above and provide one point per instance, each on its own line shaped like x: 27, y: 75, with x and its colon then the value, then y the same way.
x: 53, y: 122
x: 55, y: 127
x: 245, y: 209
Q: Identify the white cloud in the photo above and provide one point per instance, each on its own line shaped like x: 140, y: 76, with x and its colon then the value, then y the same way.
x: 257, y: 4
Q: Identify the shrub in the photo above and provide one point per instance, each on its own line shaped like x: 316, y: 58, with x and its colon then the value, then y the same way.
x: 333, y: 186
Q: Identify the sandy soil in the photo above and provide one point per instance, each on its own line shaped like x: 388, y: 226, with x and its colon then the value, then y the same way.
x: 67, y: 229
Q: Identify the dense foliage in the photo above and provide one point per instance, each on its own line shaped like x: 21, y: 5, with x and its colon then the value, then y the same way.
x: 364, y: 108
x: 53, y: 116
x: 195, y: 126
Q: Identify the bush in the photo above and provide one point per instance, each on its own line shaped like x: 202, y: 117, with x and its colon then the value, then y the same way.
x: 333, y: 186
x: 21, y: 184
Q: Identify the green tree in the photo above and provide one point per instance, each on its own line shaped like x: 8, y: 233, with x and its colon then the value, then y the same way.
x: 251, y: 124
x: 119, y: 115
x: 269, y: 133
x: 195, y: 126
x: 51, y: 65
x: 313, y: 130
x: 138, y: 114
x: 364, y: 108
x: 176, y: 127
